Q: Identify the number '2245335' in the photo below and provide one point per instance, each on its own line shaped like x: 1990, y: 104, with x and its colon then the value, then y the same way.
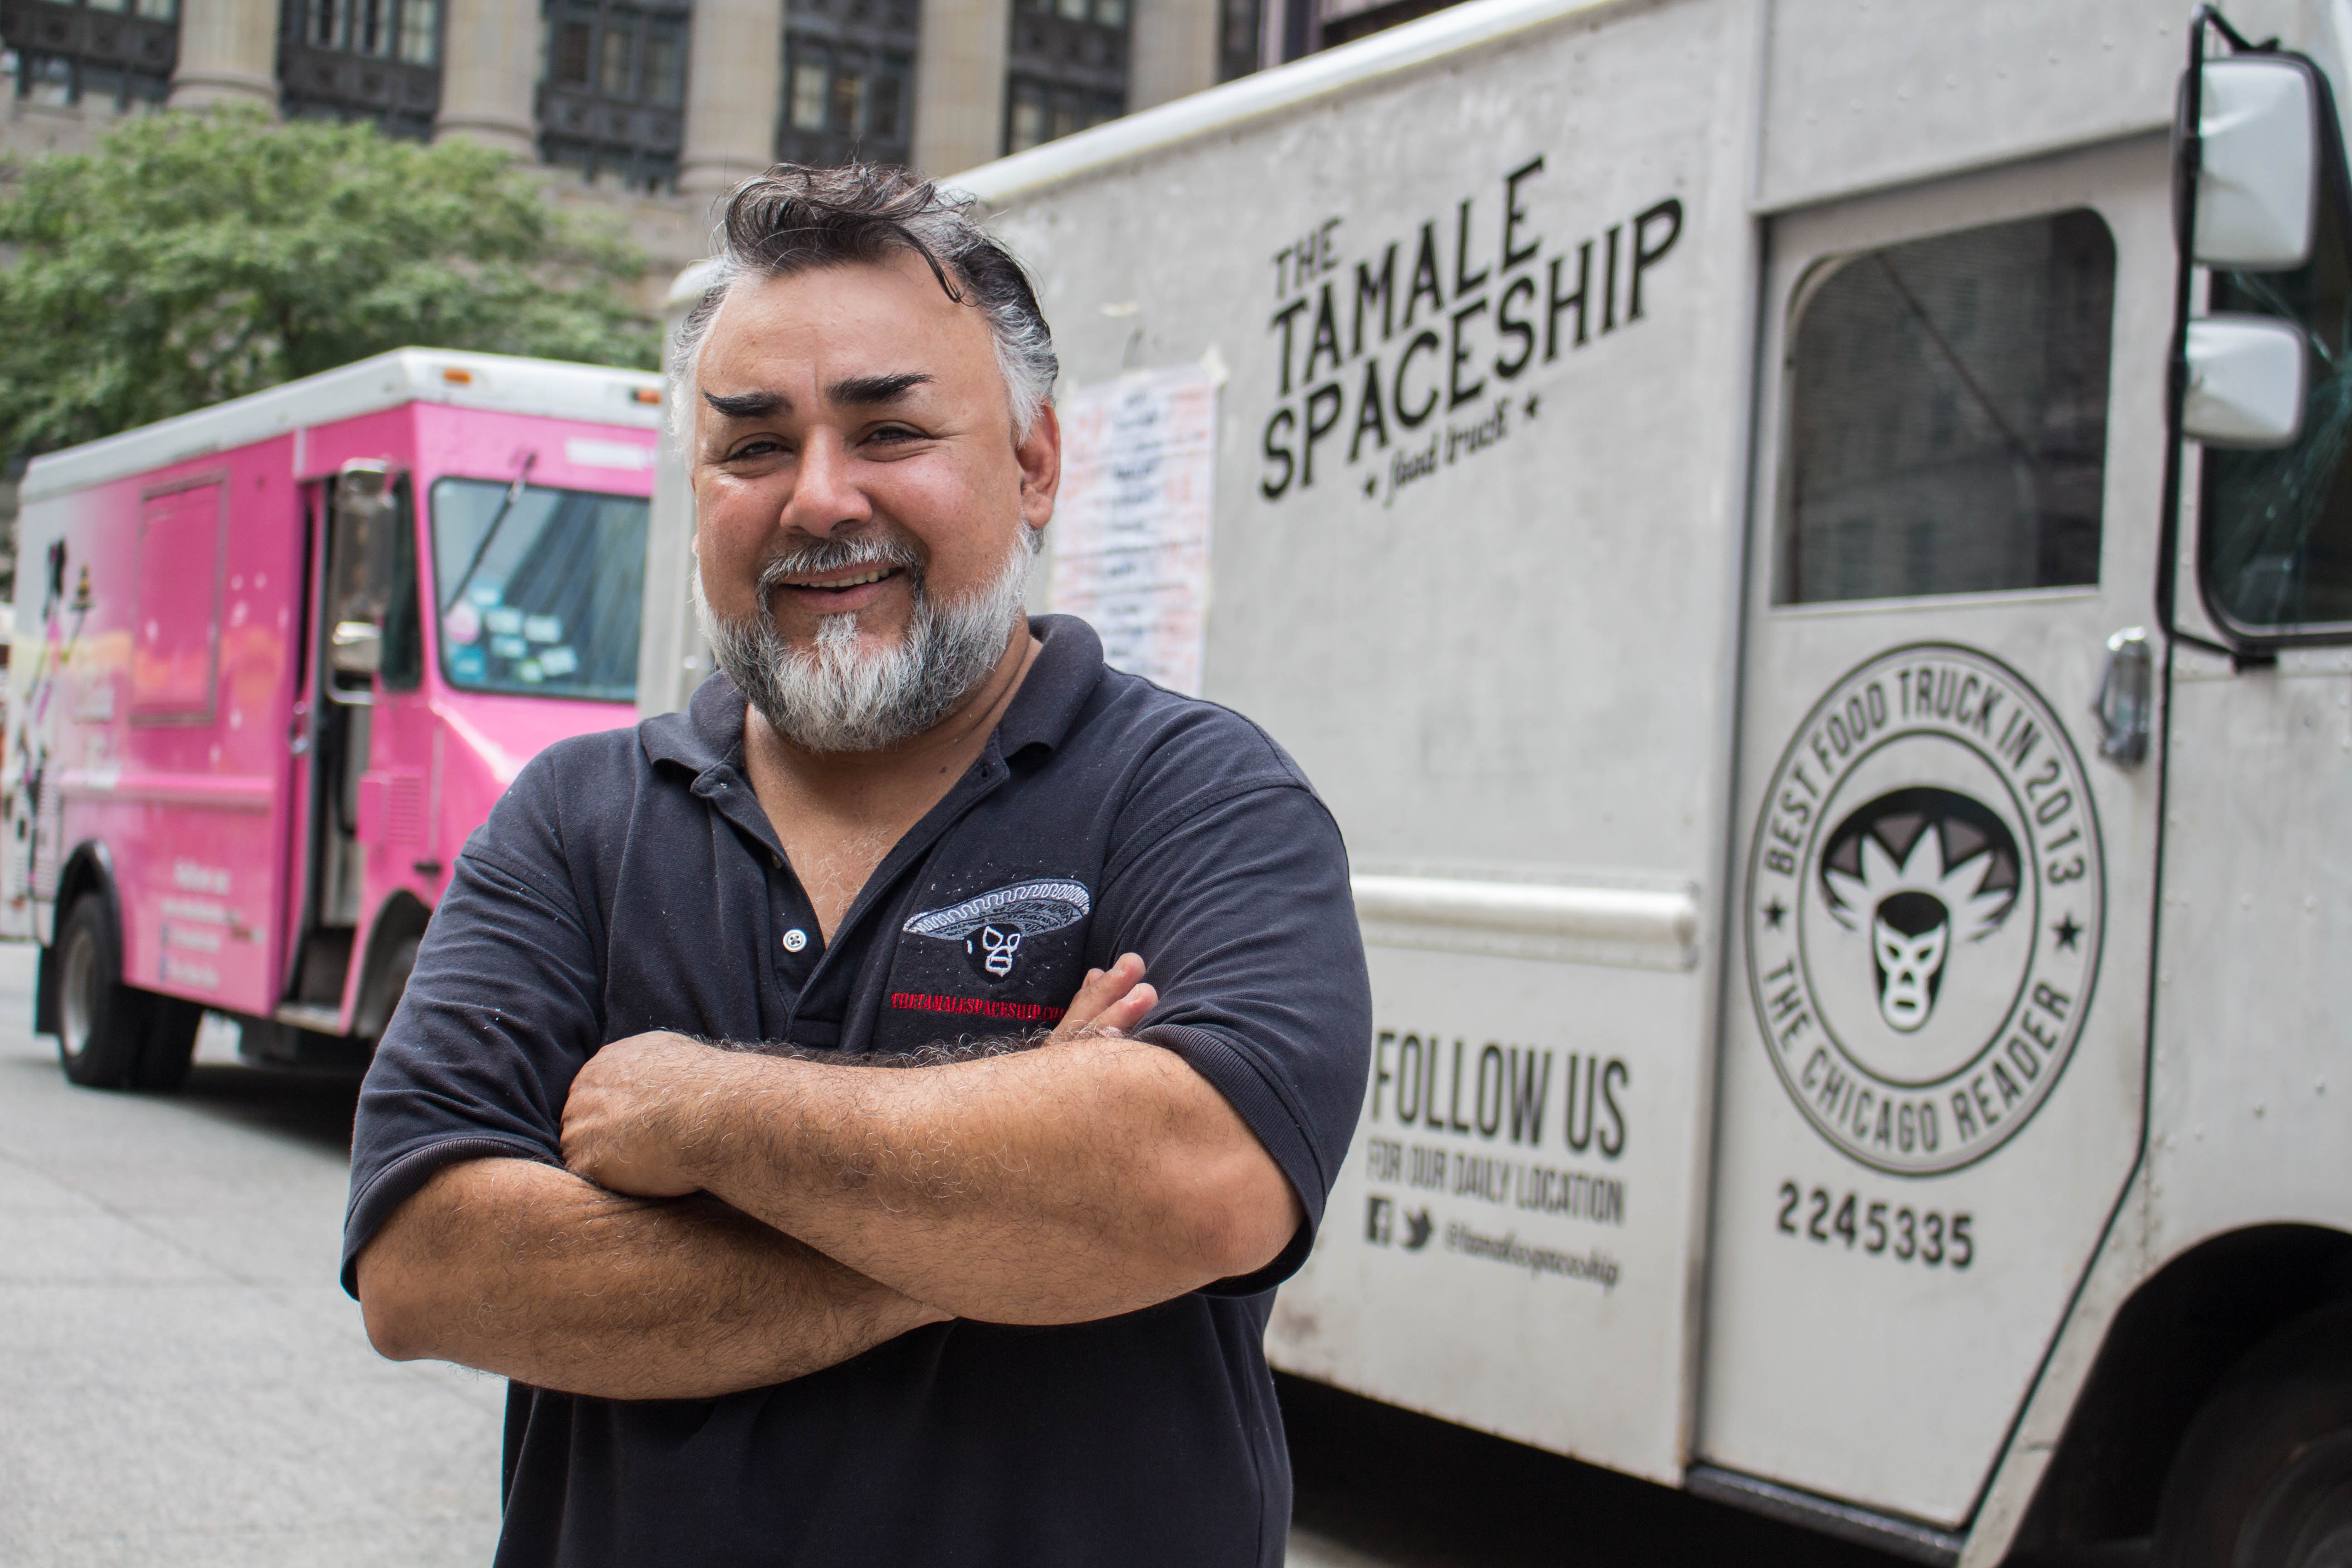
x: 1926, y: 1236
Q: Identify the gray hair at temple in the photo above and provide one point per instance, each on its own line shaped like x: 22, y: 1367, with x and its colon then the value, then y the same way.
x: 794, y: 219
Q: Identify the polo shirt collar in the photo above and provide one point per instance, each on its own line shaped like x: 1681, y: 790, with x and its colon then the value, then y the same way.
x: 709, y: 733
x: 1069, y: 664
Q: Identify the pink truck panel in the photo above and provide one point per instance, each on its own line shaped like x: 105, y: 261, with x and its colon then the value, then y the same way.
x: 175, y: 633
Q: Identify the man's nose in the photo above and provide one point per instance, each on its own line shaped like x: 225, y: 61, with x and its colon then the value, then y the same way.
x: 825, y: 493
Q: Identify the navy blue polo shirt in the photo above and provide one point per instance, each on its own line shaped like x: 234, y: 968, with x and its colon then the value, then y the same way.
x: 630, y: 881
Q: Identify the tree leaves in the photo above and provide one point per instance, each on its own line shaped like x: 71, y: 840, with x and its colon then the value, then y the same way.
x: 196, y: 257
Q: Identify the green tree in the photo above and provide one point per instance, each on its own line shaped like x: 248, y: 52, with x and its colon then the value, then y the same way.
x: 200, y: 257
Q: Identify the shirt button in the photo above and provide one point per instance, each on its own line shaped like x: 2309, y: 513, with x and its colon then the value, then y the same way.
x: 795, y: 940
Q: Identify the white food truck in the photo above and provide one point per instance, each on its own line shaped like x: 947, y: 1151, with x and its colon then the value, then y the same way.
x: 1824, y: 611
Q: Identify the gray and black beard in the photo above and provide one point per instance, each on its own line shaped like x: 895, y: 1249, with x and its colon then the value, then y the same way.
x: 831, y: 696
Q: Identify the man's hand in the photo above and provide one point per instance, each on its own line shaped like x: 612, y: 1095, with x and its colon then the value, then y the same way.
x: 1111, y: 1002
x: 622, y: 1125
x: 636, y: 1103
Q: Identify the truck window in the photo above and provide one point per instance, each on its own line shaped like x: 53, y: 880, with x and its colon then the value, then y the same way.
x: 540, y: 598
x: 401, y: 665
x: 403, y: 662
x: 1947, y: 415
x: 2275, y: 546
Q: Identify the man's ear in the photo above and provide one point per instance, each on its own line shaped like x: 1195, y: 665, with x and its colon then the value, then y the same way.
x: 1039, y: 454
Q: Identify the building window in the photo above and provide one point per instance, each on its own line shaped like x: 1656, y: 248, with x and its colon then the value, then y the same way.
x: 1041, y: 111
x: 1065, y: 68
x: 420, y: 32
x: 114, y: 54
x: 407, y: 30
x: 849, y: 95
x: 1241, y: 25
x: 611, y: 104
x: 849, y: 81
x: 376, y: 60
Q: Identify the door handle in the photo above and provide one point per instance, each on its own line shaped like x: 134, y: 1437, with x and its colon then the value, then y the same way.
x: 2126, y: 697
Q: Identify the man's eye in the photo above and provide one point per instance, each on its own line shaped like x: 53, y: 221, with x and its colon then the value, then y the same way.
x: 890, y: 435
x: 761, y: 447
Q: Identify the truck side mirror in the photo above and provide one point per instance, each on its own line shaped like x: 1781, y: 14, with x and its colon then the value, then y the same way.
x: 2245, y: 385
x: 357, y: 648
x: 2257, y: 175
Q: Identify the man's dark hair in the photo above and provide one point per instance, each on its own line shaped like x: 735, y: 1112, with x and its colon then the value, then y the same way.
x: 794, y: 219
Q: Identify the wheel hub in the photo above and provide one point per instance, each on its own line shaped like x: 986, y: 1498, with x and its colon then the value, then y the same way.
x: 2304, y: 1517
x: 77, y: 998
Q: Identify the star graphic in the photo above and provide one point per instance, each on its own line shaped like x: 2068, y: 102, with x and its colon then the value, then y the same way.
x: 1532, y: 401
x: 2067, y: 932
x: 1774, y: 912
x: 1371, y: 487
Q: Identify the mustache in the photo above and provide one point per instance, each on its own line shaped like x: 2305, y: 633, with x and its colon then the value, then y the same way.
x: 839, y: 553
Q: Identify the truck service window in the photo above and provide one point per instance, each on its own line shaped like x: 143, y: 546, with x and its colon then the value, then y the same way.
x: 2276, y: 546
x: 1948, y: 415
x: 541, y: 597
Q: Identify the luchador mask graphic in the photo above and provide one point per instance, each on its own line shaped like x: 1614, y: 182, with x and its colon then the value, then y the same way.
x: 1927, y: 871
x: 993, y: 925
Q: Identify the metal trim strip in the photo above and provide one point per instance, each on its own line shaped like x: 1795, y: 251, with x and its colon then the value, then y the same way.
x: 1899, y: 1537
x: 1639, y: 927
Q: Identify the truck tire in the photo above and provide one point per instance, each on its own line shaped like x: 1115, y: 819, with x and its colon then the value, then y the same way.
x: 2264, y: 1478
x: 104, y: 1027
x: 171, y: 1046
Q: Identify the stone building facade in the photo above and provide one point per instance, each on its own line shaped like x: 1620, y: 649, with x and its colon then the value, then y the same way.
x: 647, y: 108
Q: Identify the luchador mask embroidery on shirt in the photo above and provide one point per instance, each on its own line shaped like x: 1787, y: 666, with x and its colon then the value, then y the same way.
x: 992, y: 925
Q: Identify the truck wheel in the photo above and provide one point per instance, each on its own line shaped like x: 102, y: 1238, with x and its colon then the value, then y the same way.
x: 103, y: 1025
x: 171, y: 1045
x: 2263, y: 1480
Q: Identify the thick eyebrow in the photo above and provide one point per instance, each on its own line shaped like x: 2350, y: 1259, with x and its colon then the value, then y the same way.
x: 747, y: 404
x: 856, y: 391
x: 867, y: 390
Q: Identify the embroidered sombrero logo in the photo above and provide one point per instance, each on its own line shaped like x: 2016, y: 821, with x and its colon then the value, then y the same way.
x: 1926, y: 905
x: 992, y: 925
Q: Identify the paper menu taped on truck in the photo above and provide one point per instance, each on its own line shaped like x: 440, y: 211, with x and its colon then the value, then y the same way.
x: 1131, y: 529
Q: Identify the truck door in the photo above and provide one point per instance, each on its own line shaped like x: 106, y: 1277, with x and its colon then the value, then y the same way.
x: 1936, y: 999
x: 367, y: 565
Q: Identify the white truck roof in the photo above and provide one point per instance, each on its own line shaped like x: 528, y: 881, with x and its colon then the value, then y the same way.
x: 502, y: 383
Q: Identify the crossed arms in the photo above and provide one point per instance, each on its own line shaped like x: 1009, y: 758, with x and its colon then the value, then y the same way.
x: 728, y: 1220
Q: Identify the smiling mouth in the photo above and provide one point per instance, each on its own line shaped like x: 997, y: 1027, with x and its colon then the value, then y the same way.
x: 841, y: 585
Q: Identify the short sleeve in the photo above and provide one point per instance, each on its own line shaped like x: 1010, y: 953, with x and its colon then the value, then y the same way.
x: 502, y: 1009
x: 1241, y: 908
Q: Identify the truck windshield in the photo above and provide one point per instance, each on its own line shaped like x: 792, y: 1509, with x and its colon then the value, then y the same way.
x: 2276, y: 546
x: 550, y: 605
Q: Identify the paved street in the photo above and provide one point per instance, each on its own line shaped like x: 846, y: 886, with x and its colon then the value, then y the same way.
x: 183, y: 1381
x: 1381, y: 1488
x: 185, y: 1384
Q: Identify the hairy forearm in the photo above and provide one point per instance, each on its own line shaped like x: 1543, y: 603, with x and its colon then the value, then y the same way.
x: 529, y: 1271
x: 1061, y: 1184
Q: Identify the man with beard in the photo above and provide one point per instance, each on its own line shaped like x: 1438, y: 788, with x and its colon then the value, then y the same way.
x: 718, y: 1114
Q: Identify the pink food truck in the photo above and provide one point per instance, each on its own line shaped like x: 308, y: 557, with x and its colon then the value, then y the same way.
x: 275, y: 659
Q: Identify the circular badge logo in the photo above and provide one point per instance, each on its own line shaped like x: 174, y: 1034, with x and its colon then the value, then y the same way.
x: 1926, y: 903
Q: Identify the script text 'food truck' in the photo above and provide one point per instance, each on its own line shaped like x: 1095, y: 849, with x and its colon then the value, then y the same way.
x: 1823, y: 608
x: 276, y: 659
